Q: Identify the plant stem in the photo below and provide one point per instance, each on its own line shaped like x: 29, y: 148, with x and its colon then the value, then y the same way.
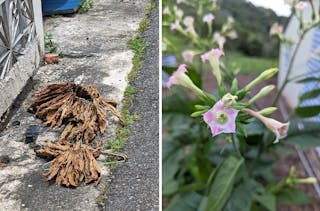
x: 286, y: 80
x: 234, y: 144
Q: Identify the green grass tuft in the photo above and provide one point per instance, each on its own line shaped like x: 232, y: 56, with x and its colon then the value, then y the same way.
x: 145, y: 21
x: 137, y: 45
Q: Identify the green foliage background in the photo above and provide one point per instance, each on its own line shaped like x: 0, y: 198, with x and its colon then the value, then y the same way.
x: 252, y: 25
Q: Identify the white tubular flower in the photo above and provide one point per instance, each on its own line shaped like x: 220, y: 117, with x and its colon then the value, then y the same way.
x: 279, y: 129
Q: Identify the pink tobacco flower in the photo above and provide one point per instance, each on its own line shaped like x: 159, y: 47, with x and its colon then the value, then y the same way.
x: 174, y: 78
x: 276, y: 29
x: 279, y: 129
x: 219, y: 39
x: 208, y: 18
x: 166, y: 11
x: 221, y: 119
x: 233, y: 35
x: 213, y: 52
x: 300, y: 6
x: 175, y: 25
x: 178, y: 12
x: 188, y: 56
x: 188, y: 22
x: 180, y: 77
x: 213, y: 58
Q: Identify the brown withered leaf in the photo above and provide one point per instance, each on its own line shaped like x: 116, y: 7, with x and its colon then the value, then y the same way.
x: 83, y: 110
x: 73, y: 165
x: 80, y: 104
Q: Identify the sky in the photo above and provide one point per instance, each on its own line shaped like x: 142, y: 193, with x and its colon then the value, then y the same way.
x: 276, y: 5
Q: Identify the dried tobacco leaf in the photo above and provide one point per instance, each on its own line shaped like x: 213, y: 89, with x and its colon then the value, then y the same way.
x: 83, y: 110
x: 80, y: 104
x: 73, y: 164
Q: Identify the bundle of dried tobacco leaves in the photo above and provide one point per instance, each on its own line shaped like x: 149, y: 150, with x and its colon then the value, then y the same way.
x: 82, y: 109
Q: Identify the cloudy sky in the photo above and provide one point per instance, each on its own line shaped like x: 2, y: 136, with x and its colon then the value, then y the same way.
x: 276, y: 5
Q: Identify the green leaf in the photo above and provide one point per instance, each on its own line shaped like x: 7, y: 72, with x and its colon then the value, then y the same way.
x: 222, y: 91
x: 171, y: 156
x: 255, y: 128
x: 303, y: 134
x: 234, y: 86
x: 241, y: 129
x: 240, y: 105
x: 169, y: 187
x: 308, y: 111
x: 293, y: 197
x: 267, y: 200
x: 304, y: 141
x: 178, y: 102
x: 241, y: 199
x: 241, y: 94
x: 185, y: 202
x: 309, y: 95
x: 298, y: 127
x: 191, y: 187
x: 222, y: 184
x: 310, y: 79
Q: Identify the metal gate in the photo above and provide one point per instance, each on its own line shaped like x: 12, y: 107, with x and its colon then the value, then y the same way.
x: 21, y: 46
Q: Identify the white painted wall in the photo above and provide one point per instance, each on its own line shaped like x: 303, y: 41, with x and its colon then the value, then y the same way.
x: 292, y: 90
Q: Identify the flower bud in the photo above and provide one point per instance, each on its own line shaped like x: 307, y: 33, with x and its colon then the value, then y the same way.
x: 267, y: 111
x: 262, y: 77
x: 292, y: 172
x: 198, y: 113
x: 202, y: 107
x: 263, y: 92
x: 229, y: 100
x: 309, y: 180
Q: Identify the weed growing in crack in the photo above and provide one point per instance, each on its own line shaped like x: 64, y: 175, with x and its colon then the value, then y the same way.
x: 137, y: 45
x: 85, y: 6
x: 49, y: 45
